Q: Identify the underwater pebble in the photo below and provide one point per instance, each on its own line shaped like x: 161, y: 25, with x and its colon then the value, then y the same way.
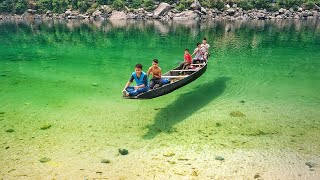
x: 44, y: 127
x: 242, y: 101
x: 2, y: 113
x: 256, y: 176
x: 95, y: 84
x: 7, y: 147
x: 169, y: 154
x: 194, y: 173
x: 220, y: 158
x: 218, y: 124
x: 123, y: 151
x: 44, y: 160
x: 105, y: 161
x: 10, y: 130
x: 311, y: 164
x: 237, y: 114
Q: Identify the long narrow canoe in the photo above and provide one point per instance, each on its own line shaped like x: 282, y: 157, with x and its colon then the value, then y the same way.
x: 178, y: 78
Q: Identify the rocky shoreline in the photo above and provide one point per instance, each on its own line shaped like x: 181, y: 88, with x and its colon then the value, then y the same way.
x: 165, y: 11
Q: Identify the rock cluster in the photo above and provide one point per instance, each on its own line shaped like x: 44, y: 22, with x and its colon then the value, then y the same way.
x: 165, y: 11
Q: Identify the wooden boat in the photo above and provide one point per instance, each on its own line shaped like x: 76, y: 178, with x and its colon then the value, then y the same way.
x: 178, y: 78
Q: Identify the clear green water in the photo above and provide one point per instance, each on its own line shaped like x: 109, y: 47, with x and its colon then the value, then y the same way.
x: 70, y: 75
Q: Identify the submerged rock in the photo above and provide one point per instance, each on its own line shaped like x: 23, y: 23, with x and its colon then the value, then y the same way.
x: 10, y: 130
x: 44, y: 127
x: 105, y: 161
x: 311, y: 164
x: 123, y: 151
x: 220, y: 158
x: 44, y: 160
x: 237, y: 114
x: 169, y: 154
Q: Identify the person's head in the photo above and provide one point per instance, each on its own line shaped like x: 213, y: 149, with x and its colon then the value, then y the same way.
x: 198, y: 44
x: 204, y: 41
x: 138, y: 68
x: 155, y: 62
x: 186, y: 51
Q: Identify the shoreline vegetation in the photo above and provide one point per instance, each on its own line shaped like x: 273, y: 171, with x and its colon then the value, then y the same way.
x: 167, y: 10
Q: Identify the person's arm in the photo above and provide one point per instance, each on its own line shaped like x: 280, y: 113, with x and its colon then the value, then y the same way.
x: 128, y: 83
x: 195, y: 51
x: 149, y: 71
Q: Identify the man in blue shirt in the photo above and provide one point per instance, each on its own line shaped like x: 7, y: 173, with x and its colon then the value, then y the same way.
x: 141, y: 79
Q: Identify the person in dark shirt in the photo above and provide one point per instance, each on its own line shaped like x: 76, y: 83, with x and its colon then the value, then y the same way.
x: 141, y: 79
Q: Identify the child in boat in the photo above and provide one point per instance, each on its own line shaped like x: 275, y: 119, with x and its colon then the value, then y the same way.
x: 205, y: 49
x: 156, y: 72
x: 198, y: 53
x: 141, y: 79
x: 187, y: 60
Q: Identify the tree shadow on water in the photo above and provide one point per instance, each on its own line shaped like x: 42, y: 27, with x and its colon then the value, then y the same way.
x: 184, y: 106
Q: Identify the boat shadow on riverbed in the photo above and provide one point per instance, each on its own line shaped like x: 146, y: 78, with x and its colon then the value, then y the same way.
x: 184, y: 106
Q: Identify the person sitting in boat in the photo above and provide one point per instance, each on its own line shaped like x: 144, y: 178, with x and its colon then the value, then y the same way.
x: 205, y: 49
x: 141, y: 79
x: 198, y: 52
x: 156, y: 72
x: 187, y: 60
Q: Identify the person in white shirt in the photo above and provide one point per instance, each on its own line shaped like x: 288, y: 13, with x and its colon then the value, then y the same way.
x: 205, y: 49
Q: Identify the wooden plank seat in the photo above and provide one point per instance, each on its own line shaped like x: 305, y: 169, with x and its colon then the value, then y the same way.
x: 173, y: 77
x: 186, y: 70
x: 197, y: 64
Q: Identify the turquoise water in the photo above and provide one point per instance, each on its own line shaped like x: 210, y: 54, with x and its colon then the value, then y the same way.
x: 260, y: 93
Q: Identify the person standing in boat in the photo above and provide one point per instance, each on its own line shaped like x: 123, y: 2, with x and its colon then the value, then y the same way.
x: 187, y: 60
x: 141, y: 79
x: 156, y: 72
x: 205, y: 49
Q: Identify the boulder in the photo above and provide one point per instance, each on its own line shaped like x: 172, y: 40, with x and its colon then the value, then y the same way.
x: 132, y: 16
x: 162, y: 9
x: 282, y: 10
x: 96, y: 13
x: 231, y: 11
x: 186, y: 15
x: 261, y: 15
x: 68, y: 13
x: 300, y: 9
x: 306, y: 14
x: 196, y: 5
x: 118, y: 15
x: 106, y: 9
x: 31, y: 11
x: 203, y: 10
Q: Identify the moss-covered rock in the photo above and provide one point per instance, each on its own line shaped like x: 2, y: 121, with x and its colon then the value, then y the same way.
x: 237, y: 114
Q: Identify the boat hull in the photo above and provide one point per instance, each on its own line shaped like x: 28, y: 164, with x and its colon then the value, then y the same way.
x: 168, y: 88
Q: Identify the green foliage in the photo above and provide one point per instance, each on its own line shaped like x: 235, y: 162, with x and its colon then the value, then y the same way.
x: 147, y: 3
x: 310, y: 4
x: 20, y: 6
x: 219, y: 4
x: 246, y: 5
x: 184, y: 4
x: 118, y: 4
x: 135, y: 4
x: 83, y: 6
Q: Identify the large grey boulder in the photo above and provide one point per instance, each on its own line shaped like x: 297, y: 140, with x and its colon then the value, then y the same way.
x: 118, y: 15
x: 186, y: 15
x: 162, y: 9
